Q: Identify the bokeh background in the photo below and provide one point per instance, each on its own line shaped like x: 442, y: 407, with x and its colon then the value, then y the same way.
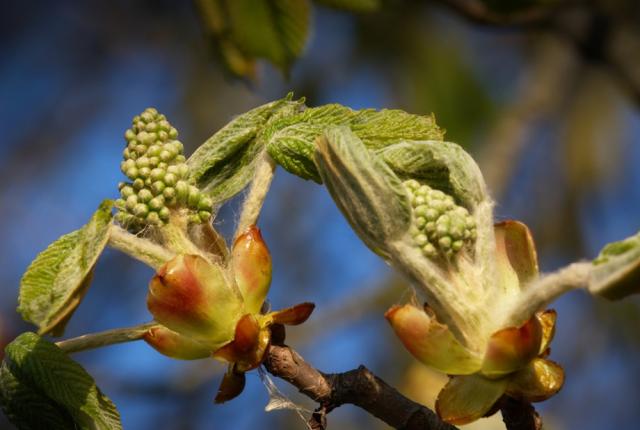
x: 554, y: 124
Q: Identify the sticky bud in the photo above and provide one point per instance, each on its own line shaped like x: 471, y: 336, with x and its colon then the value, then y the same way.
x: 190, y: 296
x: 174, y: 345
x: 252, y: 268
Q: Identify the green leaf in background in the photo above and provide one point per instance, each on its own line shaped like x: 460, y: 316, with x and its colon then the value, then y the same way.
x: 352, y: 5
x: 20, y: 402
x: 365, y: 189
x: 616, y: 270
x: 442, y: 165
x: 276, y: 30
x: 223, y: 165
x: 55, y: 282
x: 37, y: 378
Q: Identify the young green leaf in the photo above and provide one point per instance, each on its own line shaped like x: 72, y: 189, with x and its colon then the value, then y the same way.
x: 367, y: 192
x: 378, y: 129
x: 55, y: 282
x: 223, y: 165
x: 276, y: 30
x: 34, y: 364
x: 291, y: 140
x: 19, y: 401
x: 441, y: 165
x: 616, y: 271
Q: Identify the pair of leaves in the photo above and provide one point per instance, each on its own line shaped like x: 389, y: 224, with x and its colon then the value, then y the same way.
x: 291, y: 142
x: 42, y: 388
x: 55, y: 282
x: 274, y: 30
x: 411, y: 145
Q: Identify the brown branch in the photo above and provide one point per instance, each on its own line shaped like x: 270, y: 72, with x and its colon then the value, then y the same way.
x: 358, y: 387
x: 477, y: 12
x: 621, y: 55
x: 519, y: 415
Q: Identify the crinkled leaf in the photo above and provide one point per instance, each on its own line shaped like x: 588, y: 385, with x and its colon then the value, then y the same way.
x: 367, y: 192
x: 19, y: 401
x: 378, y: 129
x: 291, y: 140
x: 293, y: 148
x: 224, y: 164
x: 55, y: 282
x: 49, y: 372
x: 442, y: 165
x: 352, y: 5
x: 616, y: 271
x: 466, y: 398
x: 276, y: 30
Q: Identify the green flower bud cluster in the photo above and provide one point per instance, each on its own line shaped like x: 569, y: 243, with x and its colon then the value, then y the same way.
x: 439, y: 227
x: 155, y: 164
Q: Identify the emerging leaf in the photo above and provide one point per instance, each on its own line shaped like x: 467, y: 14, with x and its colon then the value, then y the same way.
x: 379, y: 129
x: 223, y: 165
x: 291, y: 140
x: 441, y: 165
x: 616, y: 271
x: 367, y: 192
x: 70, y: 391
x: 56, y: 281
